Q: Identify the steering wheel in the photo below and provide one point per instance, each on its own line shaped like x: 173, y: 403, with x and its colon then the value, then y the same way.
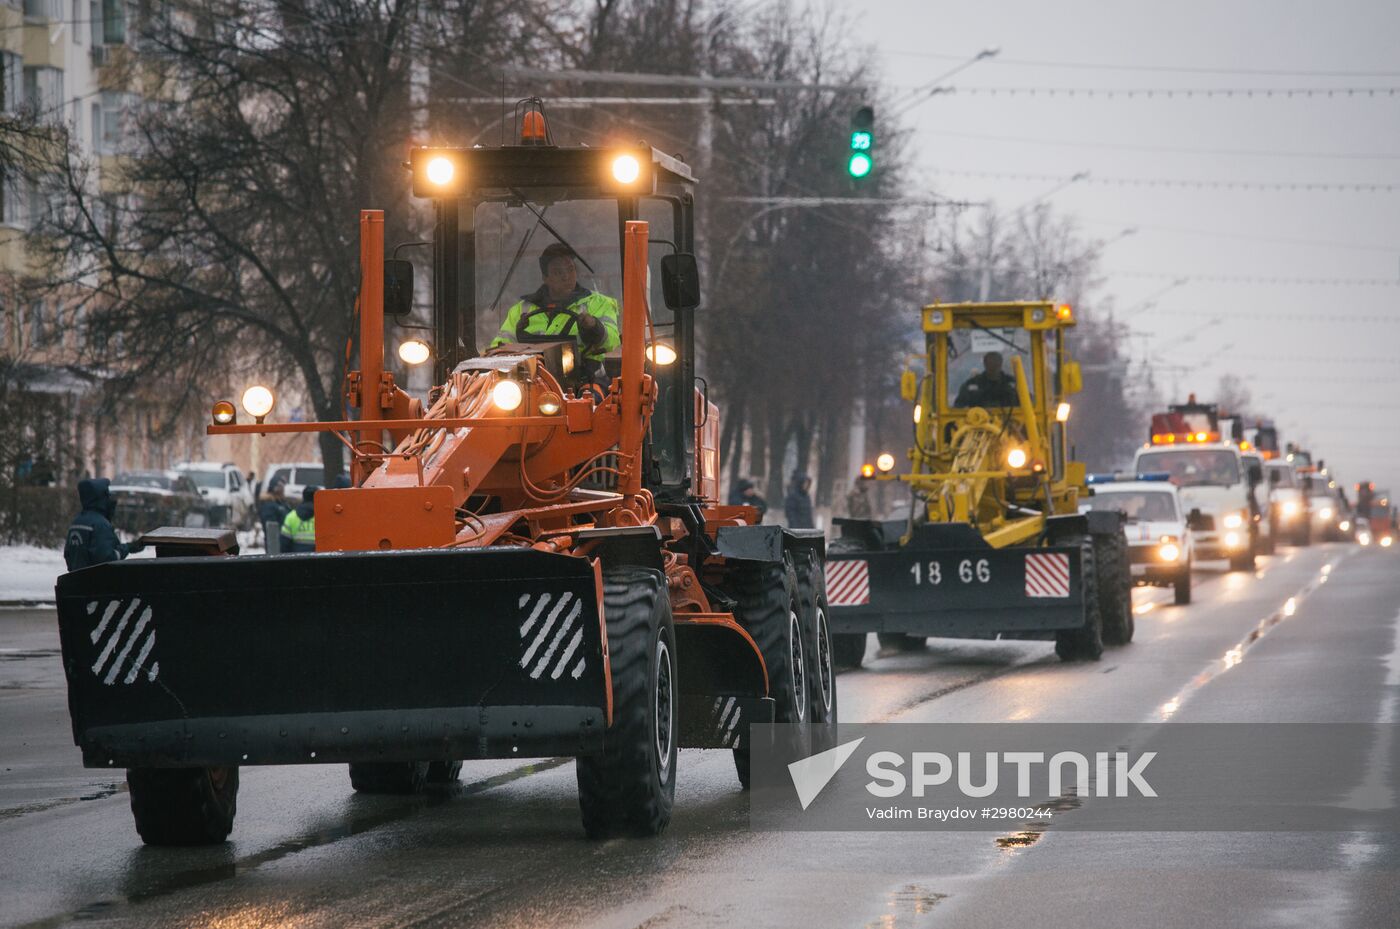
x: 574, y: 323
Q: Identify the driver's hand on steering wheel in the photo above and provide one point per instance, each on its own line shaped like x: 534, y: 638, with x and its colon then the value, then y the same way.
x: 590, y: 328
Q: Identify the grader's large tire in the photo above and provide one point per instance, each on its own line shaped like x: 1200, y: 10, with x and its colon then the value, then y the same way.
x: 444, y: 772
x: 770, y: 609
x: 183, y: 806
x: 389, y: 777
x: 1115, y: 582
x: 821, y: 656
x: 1085, y: 643
x: 629, y: 787
x: 847, y: 648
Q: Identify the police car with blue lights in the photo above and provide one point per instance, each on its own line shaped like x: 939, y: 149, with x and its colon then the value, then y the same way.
x: 1159, y: 545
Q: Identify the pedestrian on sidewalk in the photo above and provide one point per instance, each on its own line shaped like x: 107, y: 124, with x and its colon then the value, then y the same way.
x: 91, y: 538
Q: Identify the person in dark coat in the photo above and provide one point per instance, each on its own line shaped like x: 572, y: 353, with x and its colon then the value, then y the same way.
x: 797, y: 506
x: 91, y: 538
x: 744, y: 493
x: 273, y: 506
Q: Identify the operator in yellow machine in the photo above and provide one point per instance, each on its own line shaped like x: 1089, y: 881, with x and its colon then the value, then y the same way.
x: 562, y: 307
x: 990, y: 387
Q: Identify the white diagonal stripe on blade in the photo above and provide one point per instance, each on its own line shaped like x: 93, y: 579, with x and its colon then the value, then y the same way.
x: 568, y: 653
x: 577, y: 672
x: 539, y: 607
x: 114, y: 638
x: 120, y: 660
x: 107, y: 615
x: 564, y: 627
x: 141, y: 657
x: 543, y: 633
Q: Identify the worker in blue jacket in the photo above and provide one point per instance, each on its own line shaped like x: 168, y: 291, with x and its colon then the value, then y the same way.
x: 91, y: 538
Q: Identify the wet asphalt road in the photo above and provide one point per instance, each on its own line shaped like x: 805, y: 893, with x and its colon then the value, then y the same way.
x: 505, y: 848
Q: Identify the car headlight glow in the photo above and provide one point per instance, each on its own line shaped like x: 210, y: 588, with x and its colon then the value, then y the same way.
x: 885, y: 462
x: 1169, y: 550
x: 1234, y: 520
x: 258, y: 401
x: 507, y: 395
x: 1386, y: 541
x: 1345, y: 525
x: 1290, y: 508
x: 440, y: 170
x: 1016, y: 458
x: 1232, y: 540
x: 626, y: 169
x: 1325, y: 512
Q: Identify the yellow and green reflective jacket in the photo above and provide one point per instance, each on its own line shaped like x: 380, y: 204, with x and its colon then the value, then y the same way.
x: 542, y: 316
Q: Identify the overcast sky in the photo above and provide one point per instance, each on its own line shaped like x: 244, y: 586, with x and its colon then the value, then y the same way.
x: 1321, y: 358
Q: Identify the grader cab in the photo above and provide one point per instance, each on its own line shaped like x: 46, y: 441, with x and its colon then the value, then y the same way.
x: 532, y: 563
x: 994, y: 545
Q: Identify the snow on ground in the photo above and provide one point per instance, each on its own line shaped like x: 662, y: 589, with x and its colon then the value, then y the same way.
x: 28, y: 573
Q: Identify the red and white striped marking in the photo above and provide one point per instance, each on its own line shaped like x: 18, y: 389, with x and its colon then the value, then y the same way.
x: 1047, y: 575
x: 847, y: 583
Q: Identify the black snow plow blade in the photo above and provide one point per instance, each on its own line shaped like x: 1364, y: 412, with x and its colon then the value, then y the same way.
x: 1019, y: 593
x: 351, y: 656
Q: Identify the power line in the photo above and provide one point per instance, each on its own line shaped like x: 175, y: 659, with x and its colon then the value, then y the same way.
x: 1248, y: 279
x: 1174, y: 93
x: 1163, y: 149
x: 1257, y: 186
x: 1153, y: 68
x: 1294, y: 317
x: 1279, y: 240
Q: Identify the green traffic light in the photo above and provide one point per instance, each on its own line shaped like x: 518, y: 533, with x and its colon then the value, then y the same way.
x: 859, y: 164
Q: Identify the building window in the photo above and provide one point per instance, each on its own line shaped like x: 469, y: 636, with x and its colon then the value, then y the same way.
x: 109, y: 121
x: 44, y: 89
x: 38, y: 330
x: 95, y: 21
x: 79, y: 8
x: 12, y: 203
x: 11, y: 86
x: 44, y: 9
x: 113, y: 22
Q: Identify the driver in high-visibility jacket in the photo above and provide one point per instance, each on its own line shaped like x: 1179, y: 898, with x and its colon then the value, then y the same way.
x: 561, y: 307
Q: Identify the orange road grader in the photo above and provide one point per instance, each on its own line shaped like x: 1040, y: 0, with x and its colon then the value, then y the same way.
x: 533, y: 563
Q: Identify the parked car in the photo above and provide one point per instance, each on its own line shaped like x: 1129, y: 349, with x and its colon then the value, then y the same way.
x: 1160, y: 547
x: 297, y: 475
x: 147, y: 500
x: 229, y: 494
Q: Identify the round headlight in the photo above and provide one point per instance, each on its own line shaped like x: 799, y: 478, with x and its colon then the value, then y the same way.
x: 1290, y: 508
x: 1016, y: 458
x: 1038, y: 315
x: 1169, y: 551
x: 661, y: 354
x: 1326, y: 512
x: 441, y: 170
x: 936, y: 317
x: 414, y: 351
x: 507, y: 395
x: 918, y: 412
x: 224, y: 413
x: 258, y: 401
x: 626, y: 169
x: 867, y: 470
x: 549, y: 404
x: 885, y: 462
x: 1233, y: 520
x: 1386, y: 541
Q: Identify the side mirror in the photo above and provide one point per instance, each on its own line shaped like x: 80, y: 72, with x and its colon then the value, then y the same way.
x: 1256, y: 475
x: 398, y: 287
x: 909, y: 386
x: 680, y: 281
x: 1195, y: 521
x: 1071, y: 378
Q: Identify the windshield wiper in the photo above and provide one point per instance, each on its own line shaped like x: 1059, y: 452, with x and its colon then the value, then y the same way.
x: 539, y: 215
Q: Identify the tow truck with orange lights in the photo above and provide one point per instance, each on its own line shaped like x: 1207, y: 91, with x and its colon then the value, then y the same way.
x: 1216, y: 484
x: 994, y: 546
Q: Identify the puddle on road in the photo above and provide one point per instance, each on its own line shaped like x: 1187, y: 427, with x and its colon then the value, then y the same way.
x: 907, y: 907
x: 1036, y: 828
x: 24, y: 654
x: 145, y: 880
x: 100, y: 792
